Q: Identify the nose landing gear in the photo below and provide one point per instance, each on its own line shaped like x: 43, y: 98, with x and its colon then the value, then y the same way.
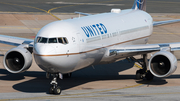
x: 55, y: 89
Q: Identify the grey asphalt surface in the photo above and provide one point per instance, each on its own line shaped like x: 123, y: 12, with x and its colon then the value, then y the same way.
x: 88, y: 6
x: 131, y: 94
x: 101, y: 82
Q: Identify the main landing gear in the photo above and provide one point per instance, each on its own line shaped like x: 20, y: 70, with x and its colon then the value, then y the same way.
x: 143, y: 72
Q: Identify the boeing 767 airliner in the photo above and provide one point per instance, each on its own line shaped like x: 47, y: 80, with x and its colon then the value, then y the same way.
x: 62, y: 47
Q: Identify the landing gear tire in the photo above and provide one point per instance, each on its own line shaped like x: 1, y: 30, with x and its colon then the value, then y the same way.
x: 68, y: 75
x: 57, y: 90
x: 143, y: 73
x: 139, y: 74
x: 51, y: 90
x: 149, y: 75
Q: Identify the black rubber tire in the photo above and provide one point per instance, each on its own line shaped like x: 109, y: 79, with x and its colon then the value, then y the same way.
x: 68, y: 75
x: 149, y: 75
x: 57, y: 90
x: 139, y: 74
x: 51, y: 90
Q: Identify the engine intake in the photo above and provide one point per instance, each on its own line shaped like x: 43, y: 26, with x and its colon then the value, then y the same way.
x: 162, y: 64
x: 17, y: 60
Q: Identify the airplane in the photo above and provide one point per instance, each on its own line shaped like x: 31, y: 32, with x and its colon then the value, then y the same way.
x: 62, y: 47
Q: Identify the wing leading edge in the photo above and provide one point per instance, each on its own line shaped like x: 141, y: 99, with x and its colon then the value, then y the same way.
x: 158, y: 23
x: 146, y: 48
x: 15, y: 41
x: 86, y: 14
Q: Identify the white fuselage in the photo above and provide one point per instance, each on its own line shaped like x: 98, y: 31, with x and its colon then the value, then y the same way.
x: 89, y: 39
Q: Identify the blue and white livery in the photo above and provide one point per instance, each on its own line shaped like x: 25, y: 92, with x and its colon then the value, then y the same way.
x: 62, y: 47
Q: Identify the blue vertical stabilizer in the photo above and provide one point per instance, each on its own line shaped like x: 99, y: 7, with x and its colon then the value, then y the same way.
x: 139, y: 4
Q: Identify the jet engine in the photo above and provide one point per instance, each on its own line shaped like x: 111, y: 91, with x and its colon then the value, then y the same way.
x: 162, y: 64
x: 17, y: 60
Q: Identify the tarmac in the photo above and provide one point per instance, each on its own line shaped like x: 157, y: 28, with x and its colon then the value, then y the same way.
x: 102, y: 82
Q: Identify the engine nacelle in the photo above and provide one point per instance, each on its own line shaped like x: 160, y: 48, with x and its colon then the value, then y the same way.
x: 162, y: 64
x: 17, y: 60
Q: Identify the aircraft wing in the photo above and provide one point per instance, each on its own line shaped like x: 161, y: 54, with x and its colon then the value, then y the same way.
x: 15, y: 41
x: 145, y: 48
x: 86, y: 14
x: 157, y: 23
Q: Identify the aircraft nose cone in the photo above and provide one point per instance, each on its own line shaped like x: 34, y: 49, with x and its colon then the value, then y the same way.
x: 45, y: 50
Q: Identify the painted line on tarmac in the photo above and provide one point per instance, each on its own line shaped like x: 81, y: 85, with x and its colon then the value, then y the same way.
x: 24, y: 6
x: 49, y: 11
x: 33, y: 8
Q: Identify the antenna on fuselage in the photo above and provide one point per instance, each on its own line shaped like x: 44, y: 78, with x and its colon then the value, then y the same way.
x: 79, y: 15
x: 86, y: 14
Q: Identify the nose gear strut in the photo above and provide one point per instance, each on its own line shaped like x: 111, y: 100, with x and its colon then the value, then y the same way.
x: 55, y: 89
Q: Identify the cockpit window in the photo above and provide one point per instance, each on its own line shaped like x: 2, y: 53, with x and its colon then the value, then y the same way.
x: 43, y: 40
x: 65, y: 41
x: 52, y: 40
x: 60, y: 40
x: 38, y: 38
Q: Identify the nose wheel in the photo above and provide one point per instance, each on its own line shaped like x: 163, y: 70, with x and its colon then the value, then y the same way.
x: 54, y: 88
